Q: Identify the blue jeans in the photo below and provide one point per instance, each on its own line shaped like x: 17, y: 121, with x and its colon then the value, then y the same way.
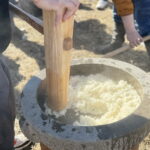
x: 141, y: 16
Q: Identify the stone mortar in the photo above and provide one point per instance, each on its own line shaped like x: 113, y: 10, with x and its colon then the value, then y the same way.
x: 121, y: 135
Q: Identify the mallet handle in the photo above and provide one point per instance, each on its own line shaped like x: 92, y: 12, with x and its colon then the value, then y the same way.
x: 58, y: 42
x: 122, y: 49
x: 31, y: 20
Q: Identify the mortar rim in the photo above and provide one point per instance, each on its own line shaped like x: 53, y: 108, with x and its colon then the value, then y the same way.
x: 99, y: 129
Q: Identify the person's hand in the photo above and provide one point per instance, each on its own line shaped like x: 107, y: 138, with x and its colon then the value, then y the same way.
x: 134, y: 38
x: 132, y: 35
x: 64, y: 8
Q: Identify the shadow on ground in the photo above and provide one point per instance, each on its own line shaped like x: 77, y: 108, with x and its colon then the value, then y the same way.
x: 32, y: 49
x: 90, y: 35
x: 138, y: 58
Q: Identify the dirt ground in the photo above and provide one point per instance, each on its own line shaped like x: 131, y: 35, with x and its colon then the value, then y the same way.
x: 93, y: 30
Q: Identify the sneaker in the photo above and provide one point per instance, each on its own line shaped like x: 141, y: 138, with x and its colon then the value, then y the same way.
x: 102, y: 4
x: 21, y: 142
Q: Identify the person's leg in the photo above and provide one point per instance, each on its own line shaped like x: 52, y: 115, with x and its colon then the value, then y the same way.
x: 7, y: 101
x: 7, y: 109
x: 7, y: 104
x: 102, y: 4
x: 118, y: 36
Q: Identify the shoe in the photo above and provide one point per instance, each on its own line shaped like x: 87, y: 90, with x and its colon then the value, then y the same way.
x: 118, y: 39
x: 102, y: 4
x: 21, y: 142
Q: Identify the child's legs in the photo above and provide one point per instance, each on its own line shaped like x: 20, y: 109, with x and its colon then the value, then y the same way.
x: 116, y: 17
x: 119, y: 30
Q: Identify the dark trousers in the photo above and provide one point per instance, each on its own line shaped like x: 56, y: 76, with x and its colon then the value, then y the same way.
x: 5, y: 27
x: 7, y: 100
x: 7, y: 109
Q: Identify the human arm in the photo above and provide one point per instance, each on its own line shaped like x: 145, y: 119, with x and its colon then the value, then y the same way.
x: 132, y: 35
x: 64, y: 8
x: 125, y: 9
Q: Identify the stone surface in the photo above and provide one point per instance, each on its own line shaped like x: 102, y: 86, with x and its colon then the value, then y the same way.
x: 121, y: 135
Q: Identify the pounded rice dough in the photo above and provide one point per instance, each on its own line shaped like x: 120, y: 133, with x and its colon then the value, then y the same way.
x: 100, y: 100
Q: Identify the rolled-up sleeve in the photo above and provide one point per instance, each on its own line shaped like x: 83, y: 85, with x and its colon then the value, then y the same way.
x: 124, y: 7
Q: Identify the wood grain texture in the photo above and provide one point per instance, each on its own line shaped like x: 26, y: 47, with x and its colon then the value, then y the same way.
x: 58, y: 41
